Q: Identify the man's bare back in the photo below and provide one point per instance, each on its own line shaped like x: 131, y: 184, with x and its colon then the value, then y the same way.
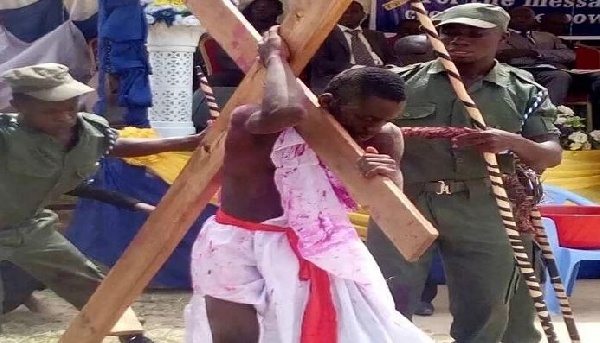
x: 248, y: 190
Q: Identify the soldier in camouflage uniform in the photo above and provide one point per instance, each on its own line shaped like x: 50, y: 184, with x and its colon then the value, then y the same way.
x: 46, y: 150
x: 447, y: 180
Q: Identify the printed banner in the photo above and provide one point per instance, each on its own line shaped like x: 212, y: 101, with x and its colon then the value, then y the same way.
x: 584, y: 14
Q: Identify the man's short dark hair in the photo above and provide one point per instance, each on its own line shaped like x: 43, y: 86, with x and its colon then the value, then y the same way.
x: 360, y: 83
x: 277, y: 3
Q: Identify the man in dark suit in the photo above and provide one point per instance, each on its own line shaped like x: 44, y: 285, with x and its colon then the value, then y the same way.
x: 348, y: 45
x: 262, y: 14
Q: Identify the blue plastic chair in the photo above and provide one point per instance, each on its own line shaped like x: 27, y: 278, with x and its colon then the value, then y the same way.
x: 558, y: 196
x: 567, y: 259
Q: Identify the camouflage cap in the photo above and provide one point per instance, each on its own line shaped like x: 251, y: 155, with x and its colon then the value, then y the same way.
x: 46, y: 81
x: 484, y: 16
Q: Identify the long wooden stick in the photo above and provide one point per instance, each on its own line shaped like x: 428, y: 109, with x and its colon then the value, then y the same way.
x: 494, y: 172
x: 541, y: 240
x: 211, y: 101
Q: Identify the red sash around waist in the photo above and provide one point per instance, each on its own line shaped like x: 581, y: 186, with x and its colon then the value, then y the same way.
x: 319, y: 323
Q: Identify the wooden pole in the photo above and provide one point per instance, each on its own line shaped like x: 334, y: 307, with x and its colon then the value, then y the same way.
x: 304, y: 29
x: 541, y: 240
x: 410, y: 232
x: 211, y: 101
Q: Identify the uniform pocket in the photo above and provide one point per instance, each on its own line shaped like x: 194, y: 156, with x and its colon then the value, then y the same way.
x: 31, y: 167
x: 513, y: 284
x: 418, y: 112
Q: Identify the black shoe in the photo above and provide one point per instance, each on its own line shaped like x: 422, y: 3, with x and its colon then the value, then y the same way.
x: 425, y: 310
x: 135, y: 339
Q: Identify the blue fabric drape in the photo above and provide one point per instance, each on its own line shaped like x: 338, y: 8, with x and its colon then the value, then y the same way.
x: 102, y: 232
x: 32, y: 22
x: 122, y: 34
x: 29, y: 23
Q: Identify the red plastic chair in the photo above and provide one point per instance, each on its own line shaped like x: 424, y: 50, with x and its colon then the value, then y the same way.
x: 587, y: 57
x: 208, y: 48
x: 573, y: 234
x: 578, y: 226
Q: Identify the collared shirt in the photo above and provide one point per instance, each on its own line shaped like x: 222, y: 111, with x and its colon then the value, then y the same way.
x: 503, y: 96
x: 35, y: 169
x: 524, y: 34
x: 348, y: 34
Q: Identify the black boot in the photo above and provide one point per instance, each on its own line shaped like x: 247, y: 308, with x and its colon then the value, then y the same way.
x: 425, y: 309
x: 135, y: 339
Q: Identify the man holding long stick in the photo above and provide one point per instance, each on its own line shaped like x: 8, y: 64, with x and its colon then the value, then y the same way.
x: 450, y: 186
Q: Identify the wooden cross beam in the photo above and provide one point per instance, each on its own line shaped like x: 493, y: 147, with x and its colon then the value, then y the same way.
x: 304, y: 29
x: 403, y: 223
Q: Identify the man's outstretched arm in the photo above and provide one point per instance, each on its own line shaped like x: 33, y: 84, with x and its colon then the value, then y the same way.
x: 135, y: 147
x: 282, y: 102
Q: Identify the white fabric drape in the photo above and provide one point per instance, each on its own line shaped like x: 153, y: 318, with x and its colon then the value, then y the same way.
x: 79, y: 9
x: 65, y: 45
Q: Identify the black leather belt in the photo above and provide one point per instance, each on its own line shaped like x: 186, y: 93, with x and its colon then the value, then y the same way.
x: 447, y: 187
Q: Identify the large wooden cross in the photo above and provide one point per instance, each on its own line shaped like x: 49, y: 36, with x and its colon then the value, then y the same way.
x: 304, y: 29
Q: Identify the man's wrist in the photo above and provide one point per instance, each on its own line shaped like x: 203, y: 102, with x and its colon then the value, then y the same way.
x: 519, y: 144
x: 192, y: 142
x: 186, y: 143
x: 271, y: 57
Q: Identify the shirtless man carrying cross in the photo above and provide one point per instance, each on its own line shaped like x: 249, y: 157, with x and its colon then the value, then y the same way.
x: 281, y: 262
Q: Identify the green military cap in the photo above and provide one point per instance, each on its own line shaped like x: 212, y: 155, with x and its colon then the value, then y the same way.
x: 46, y: 81
x: 484, y: 16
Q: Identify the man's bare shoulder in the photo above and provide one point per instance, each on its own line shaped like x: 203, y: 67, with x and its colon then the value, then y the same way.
x: 391, y: 130
x: 239, y: 137
x: 390, y: 133
x: 389, y: 141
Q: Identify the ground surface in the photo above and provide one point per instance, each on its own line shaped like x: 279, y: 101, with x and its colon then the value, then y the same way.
x: 162, y: 313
